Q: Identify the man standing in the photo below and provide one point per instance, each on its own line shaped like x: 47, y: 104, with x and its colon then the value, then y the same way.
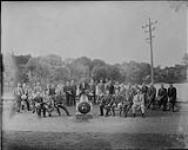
x: 92, y: 90
x: 151, y: 94
x: 144, y: 90
x: 101, y: 88
x: 129, y: 99
x: 73, y: 91
x: 83, y: 88
x: 163, y: 97
x: 18, y: 93
x: 172, y: 96
x: 67, y: 90
x: 38, y: 88
x: 111, y: 88
x: 25, y: 93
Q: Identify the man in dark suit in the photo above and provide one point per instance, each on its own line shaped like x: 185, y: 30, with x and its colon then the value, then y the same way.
x: 111, y: 88
x: 163, y: 97
x: 73, y: 91
x: 151, y: 94
x: 83, y: 87
x: 58, y: 103
x: 144, y: 90
x: 68, y: 93
x: 172, y: 96
x: 105, y: 103
x: 92, y: 90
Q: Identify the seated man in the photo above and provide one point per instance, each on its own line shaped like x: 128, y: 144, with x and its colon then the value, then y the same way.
x: 48, y: 103
x: 105, y: 103
x: 138, y: 102
x: 118, y: 102
x: 39, y: 105
x: 58, y: 103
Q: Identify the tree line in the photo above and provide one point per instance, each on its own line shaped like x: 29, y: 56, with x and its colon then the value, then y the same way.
x: 52, y: 68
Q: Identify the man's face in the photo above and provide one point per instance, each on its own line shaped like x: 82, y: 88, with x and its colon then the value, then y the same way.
x: 116, y: 92
x: 162, y: 85
x: 72, y: 82
x: 92, y: 81
x: 107, y: 92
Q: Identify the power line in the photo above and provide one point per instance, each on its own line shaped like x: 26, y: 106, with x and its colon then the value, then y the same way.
x: 149, y: 28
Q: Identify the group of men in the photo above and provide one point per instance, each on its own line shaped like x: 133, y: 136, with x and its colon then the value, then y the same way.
x: 110, y: 96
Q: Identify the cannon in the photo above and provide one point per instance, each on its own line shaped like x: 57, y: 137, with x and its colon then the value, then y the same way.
x: 83, y: 108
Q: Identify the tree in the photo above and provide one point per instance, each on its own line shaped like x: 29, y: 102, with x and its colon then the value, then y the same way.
x: 100, y: 72
x: 60, y: 74
x: 38, y: 70
x: 185, y: 59
x: 113, y: 73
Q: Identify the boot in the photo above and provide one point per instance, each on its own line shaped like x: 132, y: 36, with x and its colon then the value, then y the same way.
x: 143, y: 115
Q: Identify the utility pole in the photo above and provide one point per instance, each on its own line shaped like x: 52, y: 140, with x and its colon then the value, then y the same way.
x: 149, y: 28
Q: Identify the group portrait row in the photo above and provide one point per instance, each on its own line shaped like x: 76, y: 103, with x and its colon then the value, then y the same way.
x: 111, y: 97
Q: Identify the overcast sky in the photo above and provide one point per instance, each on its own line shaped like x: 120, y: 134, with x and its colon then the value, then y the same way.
x: 106, y: 30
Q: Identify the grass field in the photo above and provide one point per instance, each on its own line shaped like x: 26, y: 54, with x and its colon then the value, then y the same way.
x: 158, y: 130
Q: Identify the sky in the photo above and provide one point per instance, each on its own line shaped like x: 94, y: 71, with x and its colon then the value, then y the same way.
x: 107, y: 30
